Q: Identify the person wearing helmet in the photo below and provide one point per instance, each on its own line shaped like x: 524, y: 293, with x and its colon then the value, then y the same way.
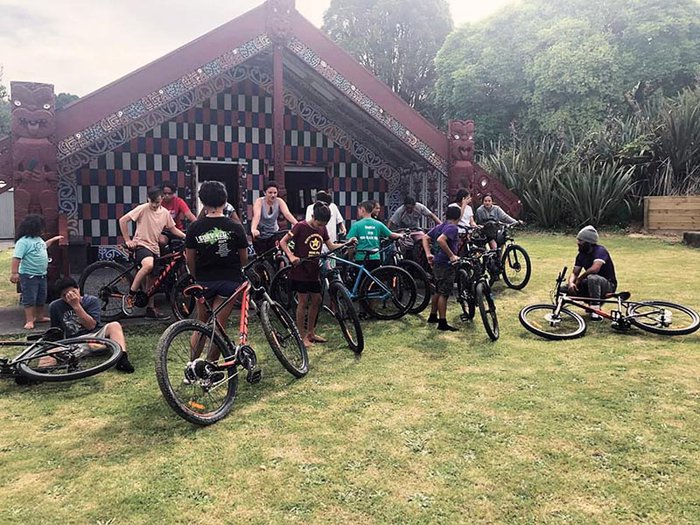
x: 593, y: 274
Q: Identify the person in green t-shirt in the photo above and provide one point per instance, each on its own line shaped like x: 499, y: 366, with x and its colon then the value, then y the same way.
x: 369, y: 233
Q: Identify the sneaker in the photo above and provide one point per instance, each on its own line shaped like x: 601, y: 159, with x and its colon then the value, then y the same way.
x: 152, y: 313
x: 595, y: 317
x: 444, y: 327
x: 128, y: 303
x: 432, y: 318
x: 124, y: 365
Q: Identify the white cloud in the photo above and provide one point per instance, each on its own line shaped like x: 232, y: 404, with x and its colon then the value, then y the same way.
x: 82, y: 45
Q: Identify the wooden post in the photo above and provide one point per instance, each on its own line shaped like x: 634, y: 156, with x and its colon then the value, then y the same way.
x: 278, y: 118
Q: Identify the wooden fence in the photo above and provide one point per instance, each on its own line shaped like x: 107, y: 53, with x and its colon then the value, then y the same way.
x: 672, y: 214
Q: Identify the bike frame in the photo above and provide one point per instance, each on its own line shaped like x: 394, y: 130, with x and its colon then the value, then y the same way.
x: 176, y: 258
x: 358, y: 280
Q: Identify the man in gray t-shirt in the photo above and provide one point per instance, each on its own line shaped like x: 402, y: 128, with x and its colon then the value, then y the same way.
x: 409, y: 215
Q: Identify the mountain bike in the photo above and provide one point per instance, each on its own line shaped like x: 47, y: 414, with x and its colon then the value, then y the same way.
x: 513, y: 262
x: 49, y: 357
x: 197, y: 364
x: 110, y: 281
x: 394, y: 253
x: 473, y: 289
x: 556, y: 321
x: 267, y: 264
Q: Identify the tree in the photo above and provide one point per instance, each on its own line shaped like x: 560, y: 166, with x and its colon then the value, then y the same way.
x: 547, y: 67
x: 396, y: 40
x: 63, y: 99
x: 4, y: 109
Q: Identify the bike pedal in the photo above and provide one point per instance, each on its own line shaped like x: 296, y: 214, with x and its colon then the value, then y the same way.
x: 464, y: 317
x: 254, y: 376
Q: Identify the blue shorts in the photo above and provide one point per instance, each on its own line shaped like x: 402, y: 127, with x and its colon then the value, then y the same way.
x: 33, y: 289
x: 223, y: 289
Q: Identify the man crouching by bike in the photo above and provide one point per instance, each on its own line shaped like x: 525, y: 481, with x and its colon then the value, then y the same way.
x: 593, y: 274
x: 79, y: 316
x: 151, y: 219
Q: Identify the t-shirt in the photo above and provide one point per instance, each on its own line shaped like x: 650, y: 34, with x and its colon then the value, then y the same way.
x: 403, y: 219
x: 308, y: 243
x: 216, y: 241
x: 149, y: 224
x: 599, y: 253
x: 177, y: 208
x: 465, y: 220
x: 369, y: 233
x: 33, y: 255
x: 450, y: 231
x: 332, y: 226
x: 64, y: 317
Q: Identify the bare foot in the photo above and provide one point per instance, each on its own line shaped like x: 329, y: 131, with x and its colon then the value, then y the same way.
x: 317, y: 338
x: 43, y: 320
x: 308, y: 343
x: 29, y: 326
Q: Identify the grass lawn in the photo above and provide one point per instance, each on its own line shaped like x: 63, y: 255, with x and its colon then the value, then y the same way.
x: 8, y: 291
x: 424, y: 428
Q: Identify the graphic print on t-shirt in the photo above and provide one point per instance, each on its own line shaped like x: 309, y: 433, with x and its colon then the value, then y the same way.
x: 314, y: 242
x: 216, y: 236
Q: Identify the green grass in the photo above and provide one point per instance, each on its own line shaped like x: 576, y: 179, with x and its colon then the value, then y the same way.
x: 424, y: 428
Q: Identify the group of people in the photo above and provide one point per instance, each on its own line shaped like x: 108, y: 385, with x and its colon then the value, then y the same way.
x: 216, y: 249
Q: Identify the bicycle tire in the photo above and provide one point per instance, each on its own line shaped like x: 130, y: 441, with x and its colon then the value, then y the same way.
x: 183, y: 307
x: 516, y: 267
x: 487, y: 309
x: 465, y: 294
x: 264, y: 271
x: 657, y: 322
x: 76, y: 357
x: 424, y: 289
x: 347, y: 317
x: 402, y: 293
x: 284, y: 338
x: 280, y: 290
x: 190, y: 399
x: 539, y: 319
x: 95, y: 280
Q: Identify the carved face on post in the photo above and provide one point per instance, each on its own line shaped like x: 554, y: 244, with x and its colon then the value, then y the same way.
x: 279, y: 25
x: 33, y: 109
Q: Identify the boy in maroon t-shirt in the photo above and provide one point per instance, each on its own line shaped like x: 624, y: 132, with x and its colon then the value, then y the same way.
x: 304, y: 279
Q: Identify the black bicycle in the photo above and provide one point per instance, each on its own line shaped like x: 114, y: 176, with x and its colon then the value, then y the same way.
x: 556, y: 321
x: 511, y: 260
x: 49, y: 357
x: 473, y: 289
x: 394, y: 252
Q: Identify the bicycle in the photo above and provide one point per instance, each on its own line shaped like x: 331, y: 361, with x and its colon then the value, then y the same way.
x: 197, y: 364
x: 270, y: 262
x: 557, y: 322
x: 51, y: 358
x: 513, y: 262
x: 473, y: 289
x: 397, y: 257
x: 110, y: 281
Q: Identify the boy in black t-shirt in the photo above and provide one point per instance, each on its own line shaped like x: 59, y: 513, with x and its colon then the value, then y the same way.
x: 215, y: 249
x: 309, y: 238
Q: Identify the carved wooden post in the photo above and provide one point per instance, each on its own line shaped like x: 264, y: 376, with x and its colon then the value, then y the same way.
x: 279, y: 29
x: 34, y: 160
x: 461, y: 137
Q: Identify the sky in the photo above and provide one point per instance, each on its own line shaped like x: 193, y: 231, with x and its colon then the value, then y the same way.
x: 82, y: 45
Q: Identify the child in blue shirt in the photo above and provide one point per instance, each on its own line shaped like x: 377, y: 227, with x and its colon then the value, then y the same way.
x: 30, y: 262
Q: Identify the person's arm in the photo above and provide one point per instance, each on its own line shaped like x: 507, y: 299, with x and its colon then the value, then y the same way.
x: 53, y: 240
x: 177, y: 233
x: 309, y: 213
x: 572, y: 284
x: 243, y: 255
x: 86, y: 320
x: 124, y: 227
x: 435, y: 218
x: 503, y: 216
x: 594, y: 269
x: 442, y: 242
x: 190, y: 258
x: 286, y: 213
x: 426, y: 248
x: 285, y: 248
x: 14, y: 276
x: 257, y: 210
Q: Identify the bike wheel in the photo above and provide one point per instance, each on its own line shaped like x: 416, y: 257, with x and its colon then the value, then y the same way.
x: 263, y: 271
x: 664, y: 318
x: 424, y: 289
x: 280, y: 290
x: 347, y: 317
x: 284, y: 338
x: 465, y: 294
x: 70, y: 359
x: 389, y: 294
x: 516, y: 267
x: 201, y: 395
x: 540, y: 320
x: 183, y: 307
x: 109, y: 282
x: 487, y: 309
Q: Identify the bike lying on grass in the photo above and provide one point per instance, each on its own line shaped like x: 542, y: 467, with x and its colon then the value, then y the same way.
x: 49, y: 357
x: 556, y: 321
x: 197, y: 364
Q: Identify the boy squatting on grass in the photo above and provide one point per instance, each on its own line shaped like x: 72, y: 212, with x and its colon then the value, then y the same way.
x: 304, y: 277
x: 446, y: 235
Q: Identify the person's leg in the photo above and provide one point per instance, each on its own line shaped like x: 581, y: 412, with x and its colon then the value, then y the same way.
x: 598, y: 287
x: 114, y: 332
x: 29, y: 300
x: 303, y: 298
x: 314, y: 307
x: 433, y: 317
x: 444, y: 282
x: 29, y: 317
x: 42, y: 294
x: 442, y: 315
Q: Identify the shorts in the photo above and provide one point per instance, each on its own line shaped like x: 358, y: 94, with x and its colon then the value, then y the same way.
x: 98, y: 332
x: 141, y: 253
x: 305, y: 286
x: 223, y: 289
x: 444, y: 279
x: 33, y: 289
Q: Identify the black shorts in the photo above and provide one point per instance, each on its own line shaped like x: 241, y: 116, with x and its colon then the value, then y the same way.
x: 305, y: 286
x: 141, y: 253
x: 223, y: 289
x: 444, y: 279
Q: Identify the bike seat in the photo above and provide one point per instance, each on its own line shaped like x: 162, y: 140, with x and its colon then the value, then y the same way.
x: 194, y: 290
x: 622, y: 295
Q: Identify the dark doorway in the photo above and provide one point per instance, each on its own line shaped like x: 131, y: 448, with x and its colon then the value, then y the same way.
x: 226, y: 173
x: 301, y: 189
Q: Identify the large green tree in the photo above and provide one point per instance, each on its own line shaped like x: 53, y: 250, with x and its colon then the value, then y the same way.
x: 551, y: 67
x: 397, y: 40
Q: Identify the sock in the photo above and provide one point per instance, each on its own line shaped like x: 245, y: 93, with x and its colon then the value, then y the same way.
x: 433, y: 318
x: 442, y: 325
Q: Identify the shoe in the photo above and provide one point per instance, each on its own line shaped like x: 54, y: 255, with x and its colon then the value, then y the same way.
x: 152, y: 313
x: 433, y: 318
x: 444, y: 327
x: 124, y: 365
x: 595, y: 317
x: 128, y: 303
